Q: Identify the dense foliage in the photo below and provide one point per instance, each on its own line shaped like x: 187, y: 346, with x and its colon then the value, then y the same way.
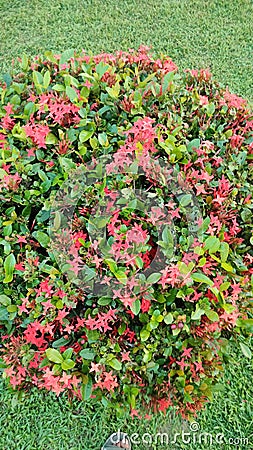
x: 126, y: 222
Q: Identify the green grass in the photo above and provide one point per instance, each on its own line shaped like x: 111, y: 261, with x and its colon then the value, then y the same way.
x: 41, y: 421
x: 195, y: 33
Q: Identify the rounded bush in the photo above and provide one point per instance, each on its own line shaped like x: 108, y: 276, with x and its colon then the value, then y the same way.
x: 126, y: 222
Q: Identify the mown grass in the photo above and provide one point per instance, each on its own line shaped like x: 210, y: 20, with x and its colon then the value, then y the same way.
x: 43, y: 422
x: 195, y: 33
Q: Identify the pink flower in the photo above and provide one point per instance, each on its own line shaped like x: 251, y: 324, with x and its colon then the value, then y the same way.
x: 37, y: 132
x: 88, y: 84
x: 96, y: 367
x: 234, y: 101
x: 107, y: 381
x: 10, y: 182
x: 47, y: 305
x: 125, y: 356
x: 203, y: 100
x: 187, y: 352
x: 20, y: 266
x: 137, y: 235
x: 169, y: 66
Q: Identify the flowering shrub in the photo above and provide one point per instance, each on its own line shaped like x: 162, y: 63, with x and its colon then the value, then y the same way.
x: 126, y: 223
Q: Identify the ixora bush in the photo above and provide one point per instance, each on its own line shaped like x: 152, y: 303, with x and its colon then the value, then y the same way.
x: 126, y: 229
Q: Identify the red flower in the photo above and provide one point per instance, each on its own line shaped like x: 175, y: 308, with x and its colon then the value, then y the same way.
x: 145, y: 305
x: 31, y: 334
x: 37, y: 132
x: 20, y: 266
x: 164, y: 403
x: 186, y: 353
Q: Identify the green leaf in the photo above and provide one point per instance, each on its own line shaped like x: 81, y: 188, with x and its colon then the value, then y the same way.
x: 54, y: 356
x: 9, y: 265
x: 160, y: 298
x: 167, y: 236
x: 114, y: 90
x: 85, y: 135
x: 3, y: 313
x: 201, y: 278
x: 111, y: 264
x: 216, y: 292
x: 87, y: 389
x: 42, y: 238
x: 204, y: 226
x: 12, y: 308
x: 144, y: 334
x: 4, y: 300
x: 37, y: 78
x: 167, y: 79
x: 121, y: 276
x: 103, y: 140
x: 24, y: 63
x: 42, y: 175
x: 68, y: 364
x: 92, y: 335
x: 58, y: 87
x: 228, y: 308
x: 168, y: 319
x: 197, y: 314
x: 135, y: 307
x: 185, y: 199
x: 71, y: 93
x: 202, y: 262
x: 68, y: 353
x: 210, y: 108
x: 102, y: 222
x: 195, y: 143
x: 139, y: 262
x: 66, y: 56
x: 51, y: 139
x: 246, y: 323
x: 87, y: 354
x: 3, y: 174
x: 57, y: 220
x: 104, y: 402
x: 60, y: 342
x: 212, y: 244
x: 101, y: 68
x: 104, y: 301
x: 212, y: 315
x: 66, y: 163
x: 246, y: 350
x: 90, y: 273
x: 224, y: 251
x: 46, y: 79
x: 224, y: 286
x: 246, y: 215
x: 7, y: 79
x: 3, y: 365
x: 153, y: 278
x: 227, y: 267
x: 115, y: 364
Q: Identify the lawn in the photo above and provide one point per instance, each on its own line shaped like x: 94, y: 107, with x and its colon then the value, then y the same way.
x: 43, y: 422
x: 195, y: 33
